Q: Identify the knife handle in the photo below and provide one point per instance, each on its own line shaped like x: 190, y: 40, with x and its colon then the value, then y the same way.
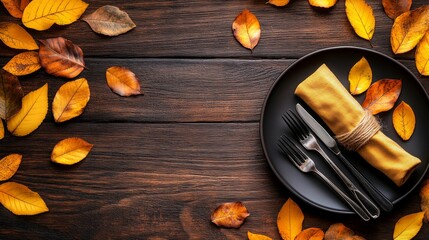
x: 378, y: 197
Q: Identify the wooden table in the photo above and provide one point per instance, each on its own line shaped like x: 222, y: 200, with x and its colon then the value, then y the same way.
x: 162, y: 162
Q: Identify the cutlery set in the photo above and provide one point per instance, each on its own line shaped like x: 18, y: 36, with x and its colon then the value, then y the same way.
x: 300, y: 127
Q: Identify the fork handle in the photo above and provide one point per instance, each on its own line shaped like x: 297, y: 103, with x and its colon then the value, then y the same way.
x: 356, y: 207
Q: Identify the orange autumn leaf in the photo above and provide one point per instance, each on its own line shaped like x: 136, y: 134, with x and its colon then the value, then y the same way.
x: 70, y: 151
x: 61, y: 58
x: 230, y: 215
x: 424, y: 199
x: 20, y: 200
x: 254, y: 236
x: 382, y: 95
x: 361, y: 17
x: 1, y: 130
x: 394, y: 8
x: 408, y: 29
x: 11, y: 95
x: 9, y: 165
x: 278, y: 3
x: 14, y: 36
x: 23, y: 63
x: 311, y: 234
x: 289, y: 220
x: 122, y: 81
x: 109, y: 20
x: 70, y: 100
x: 15, y: 7
x: 338, y: 231
x: 404, y: 120
x: 408, y: 226
x: 322, y: 3
x: 246, y: 29
x: 422, y: 56
x: 360, y: 77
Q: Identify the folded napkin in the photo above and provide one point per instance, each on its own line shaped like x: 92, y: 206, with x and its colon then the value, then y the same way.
x: 325, y: 94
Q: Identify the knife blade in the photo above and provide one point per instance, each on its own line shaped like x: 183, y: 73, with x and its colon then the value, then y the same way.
x: 331, y: 143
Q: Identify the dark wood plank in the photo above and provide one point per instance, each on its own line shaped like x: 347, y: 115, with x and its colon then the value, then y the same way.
x: 161, y: 181
x: 177, y: 28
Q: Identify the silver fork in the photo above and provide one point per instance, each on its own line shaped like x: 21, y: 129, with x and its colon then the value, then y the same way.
x: 307, y: 139
x: 306, y: 164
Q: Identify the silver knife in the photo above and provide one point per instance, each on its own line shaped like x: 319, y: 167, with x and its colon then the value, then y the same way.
x: 330, y: 142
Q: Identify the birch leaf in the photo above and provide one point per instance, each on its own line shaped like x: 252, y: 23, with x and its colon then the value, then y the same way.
x: 424, y: 198
x: 246, y: 29
x: 10, y: 95
x: 15, y: 7
x: 32, y: 113
x: 61, y: 58
x: 109, y: 20
x: 322, y: 3
x: 14, y: 36
x: 9, y: 165
x: 254, y: 236
x: 382, y: 95
x: 404, y: 121
x: 42, y: 14
x: 311, y: 234
x: 408, y: 29
x: 408, y: 226
x: 20, y: 200
x: 278, y: 3
x: 289, y: 220
x: 23, y: 63
x: 70, y: 151
x: 360, y: 77
x: 422, y: 55
x: 122, y: 81
x: 70, y: 100
x: 361, y: 17
x: 230, y: 215
x: 394, y: 8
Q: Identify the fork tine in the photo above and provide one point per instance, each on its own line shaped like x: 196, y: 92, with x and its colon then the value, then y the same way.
x: 289, y: 148
x: 298, y: 121
x: 293, y: 125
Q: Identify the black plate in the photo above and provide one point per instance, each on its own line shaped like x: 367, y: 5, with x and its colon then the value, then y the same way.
x: 281, y: 97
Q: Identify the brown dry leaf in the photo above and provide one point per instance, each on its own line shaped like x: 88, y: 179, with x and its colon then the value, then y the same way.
x: 254, y: 236
x: 360, y: 77
x: 338, y: 231
x: 408, y: 29
x: 9, y: 165
x: 322, y: 3
x: 424, y: 198
x: 70, y: 100
x: 404, y: 120
x: 230, y: 215
x: 311, y: 234
x: 246, y: 29
x: 15, y: 7
x: 14, y: 36
x: 289, y: 220
x: 109, y: 20
x: 422, y: 56
x: 20, y: 200
x: 11, y: 95
x: 23, y: 64
x: 122, y: 81
x: 394, y: 8
x: 278, y: 3
x: 382, y: 95
x: 70, y: 151
x: 408, y: 226
x: 361, y: 17
x: 61, y: 58
x: 42, y: 14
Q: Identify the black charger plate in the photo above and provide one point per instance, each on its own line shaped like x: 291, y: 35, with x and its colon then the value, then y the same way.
x: 281, y: 97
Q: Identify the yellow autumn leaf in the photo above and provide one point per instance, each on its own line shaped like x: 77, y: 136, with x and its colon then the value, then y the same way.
x: 254, y: 236
x: 404, y: 120
x: 289, y: 220
x: 32, y: 113
x: 42, y: 14
x: 246, y: 29
x: 70, y: 100
x: 23, y: 63
x: 360, y: 77
x: 424, y: 198
x: 278, y: 3
x: 70, y: 151
x: 322, y: 3
x: 9, y: 165
x: 20, y: 200
x: 361, y: 18
x: 422, y: 56
x: 14, y: 36
x: 408, y: 29
x: 408, y: 226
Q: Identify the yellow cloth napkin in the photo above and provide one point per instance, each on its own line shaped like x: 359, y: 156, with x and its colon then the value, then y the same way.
x: 325, y: 94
